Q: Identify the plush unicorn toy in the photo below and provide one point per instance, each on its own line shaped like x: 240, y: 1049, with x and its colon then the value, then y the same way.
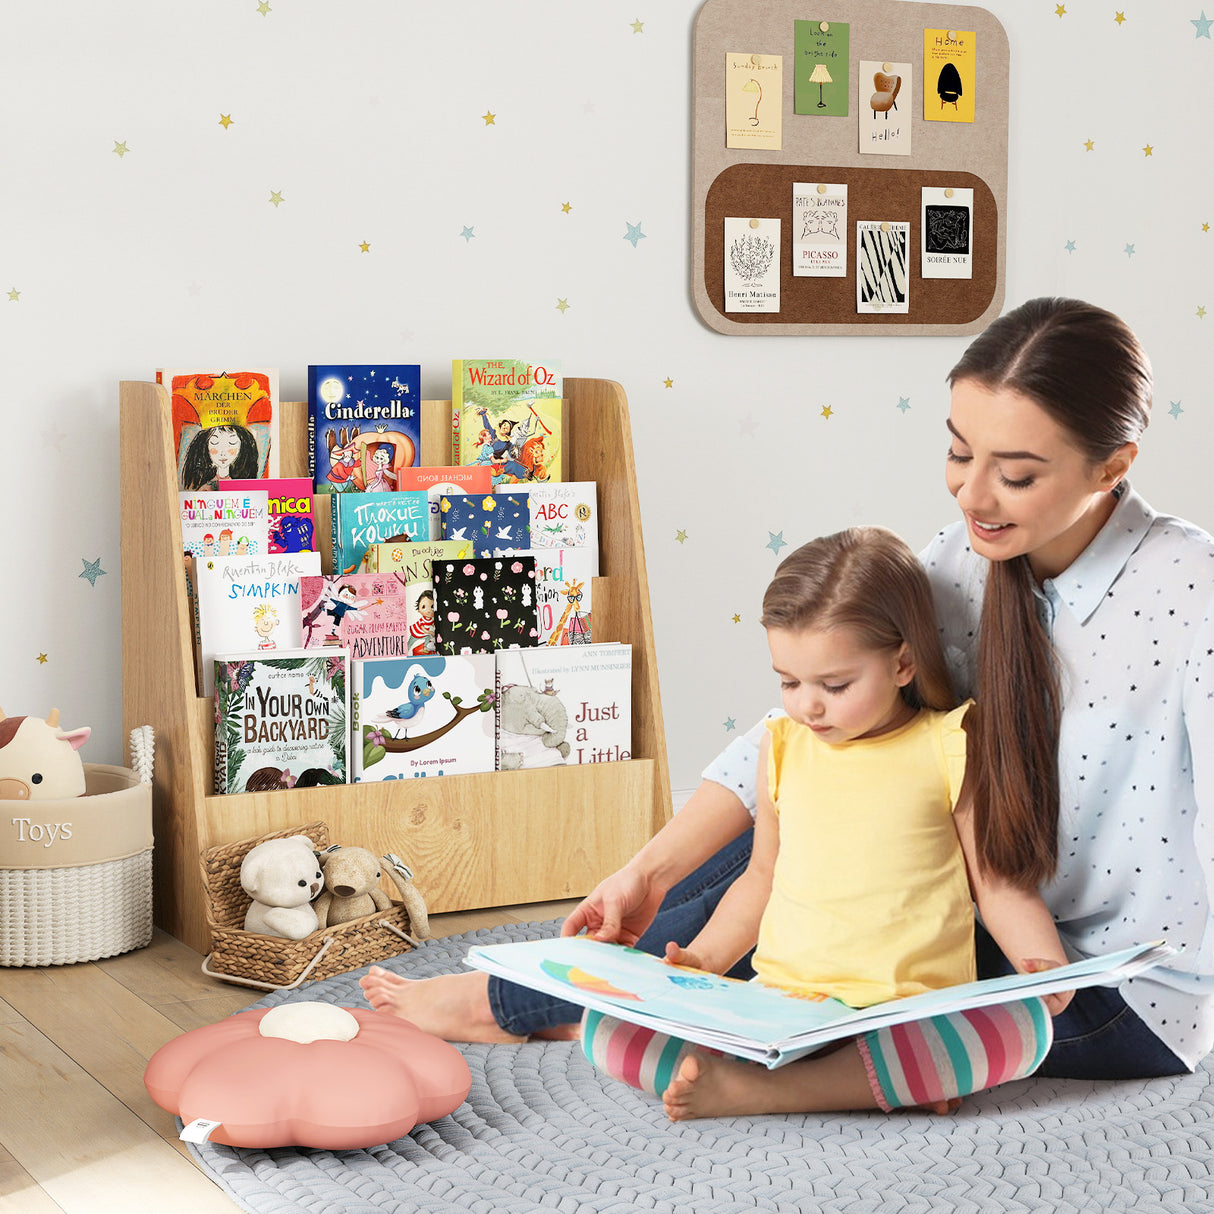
x: 38, y: 760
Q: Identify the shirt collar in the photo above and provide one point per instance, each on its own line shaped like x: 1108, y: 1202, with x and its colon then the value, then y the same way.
x: 1083, y: 585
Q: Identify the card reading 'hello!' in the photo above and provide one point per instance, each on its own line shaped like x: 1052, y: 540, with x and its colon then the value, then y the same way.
x: 885, y: 102
x: 752, y: 265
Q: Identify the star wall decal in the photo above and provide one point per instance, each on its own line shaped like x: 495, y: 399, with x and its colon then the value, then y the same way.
x: 669, y: 383
x: 1089, y: 144
x: 225, y: 121
x: 680, y: 537
x: 776, y: 541
x: 638, y: 26
x: 1070, y: 246
x: 566, y: 207
x: 737, y: 619
x: 364, y: 247
x: 730, y: 724
x: 14, y: 294
x: 1175, y: 410
x: 904, y: 403
x: 42, y: 659
x: 1119, y: 18
x: 120, y: 149
x: 92, y: 571
x: 634, y: 232
x: 467, y: 234
x: 1202, y: 25
x: 827, y: 411
x: 1148, y: 150
x: 1129, y: 250
x: 1201, y: 313
x: 276, y: 197
x: 563, y: 306
x: 490, y: 118
x: 264, y: 8
x: 1205, y: 227
x: 1060, y: 10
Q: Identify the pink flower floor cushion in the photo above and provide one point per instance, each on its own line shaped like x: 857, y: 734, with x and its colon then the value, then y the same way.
x: 309, y: 1075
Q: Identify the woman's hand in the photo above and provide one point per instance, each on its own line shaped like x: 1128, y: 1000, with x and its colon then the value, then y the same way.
x: 618, y: 910
x: 1056, y: 1002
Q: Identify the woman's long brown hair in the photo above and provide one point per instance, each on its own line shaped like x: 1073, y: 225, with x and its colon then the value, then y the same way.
x: 1085, y: 368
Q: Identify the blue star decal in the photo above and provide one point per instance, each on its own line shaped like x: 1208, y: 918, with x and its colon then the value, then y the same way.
x: 92, y: 571
x: 467, y: 234
x: 1070, y: 246
x: 1201, y: 25
x: 904, y: 403
x: 776, y: 541
x: 1176, y: 410
x: 634, y: 233
x: 730, y: 724
x: 1129, y: 250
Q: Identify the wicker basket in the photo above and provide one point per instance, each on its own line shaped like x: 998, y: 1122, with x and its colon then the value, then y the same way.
x: 273, y: 963
x: 76, y: 872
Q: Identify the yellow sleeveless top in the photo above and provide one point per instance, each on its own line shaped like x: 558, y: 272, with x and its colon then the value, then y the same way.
x: 870, y: 899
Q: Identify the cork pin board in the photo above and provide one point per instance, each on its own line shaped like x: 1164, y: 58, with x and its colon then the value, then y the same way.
x: 748, y: 187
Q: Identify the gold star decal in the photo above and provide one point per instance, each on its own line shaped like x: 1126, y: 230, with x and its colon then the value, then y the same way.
x: 827, y: 411
x: 1119, y: 18
x: 365, y: 247
x: 1090, y: 144
x: 263, y: 8
x: 120, y: 149
x: 42, y: 659
x: 225, y: 121
x: 669, y: 383
x: 566, y: 207
x: 14, y: 294
x: 276, y: 197
x: 1201, y: 313
x: 638, y: 26
x: 490, y: 119
x: 680, y: 537
x: 1061, y: 10
x: 1148, y: 150
x: 737, y: 619
x: 562, y: 306
x: 1205, y: 227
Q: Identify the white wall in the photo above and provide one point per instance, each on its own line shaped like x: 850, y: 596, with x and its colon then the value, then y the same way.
x: 367, y: 117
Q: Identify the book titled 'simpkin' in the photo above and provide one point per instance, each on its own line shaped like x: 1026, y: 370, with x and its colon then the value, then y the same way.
x: 281, y: 721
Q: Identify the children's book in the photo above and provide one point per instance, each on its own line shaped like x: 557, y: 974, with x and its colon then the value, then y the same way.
x: 436, y: 481
x: 280, y: 720
x: 292, y: 521
x: 414, y: 563
x: 249, y: 602
x: 746, y: 1019
x: 565, y: 515
x: 508, y: 416
x: 422, y: 717
x: 218, y: 523
x: 362, y: 519
x: 225, y: 424
x: 484, y: 603
x: 562, y: 590
x: 365, y: 613
x: 364, y: 426
x: 564, y: 705
x: 494, y: 522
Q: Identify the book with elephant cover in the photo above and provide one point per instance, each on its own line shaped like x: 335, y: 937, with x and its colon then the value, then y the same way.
x: 429, y: 716
x: 564, y: 705
x: 281, y: 719
x: 749, y: 1020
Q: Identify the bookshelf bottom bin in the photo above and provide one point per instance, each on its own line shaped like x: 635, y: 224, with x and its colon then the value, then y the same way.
x: 273, y: 963
x: 84, y: 890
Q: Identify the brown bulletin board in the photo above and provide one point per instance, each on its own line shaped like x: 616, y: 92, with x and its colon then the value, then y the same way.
x: 752, y: 183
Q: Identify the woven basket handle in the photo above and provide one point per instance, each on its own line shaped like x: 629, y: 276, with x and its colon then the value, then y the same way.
x: 269, y: 986
x: 143, y: 746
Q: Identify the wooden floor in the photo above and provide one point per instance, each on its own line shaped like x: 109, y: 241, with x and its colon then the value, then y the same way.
x: 78, y: 1132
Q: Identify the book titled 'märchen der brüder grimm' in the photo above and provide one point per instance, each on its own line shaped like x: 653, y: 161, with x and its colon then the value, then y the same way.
x: 749, y: 1020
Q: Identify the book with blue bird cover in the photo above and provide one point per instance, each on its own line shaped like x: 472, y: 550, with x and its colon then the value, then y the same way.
x: 426, y: 716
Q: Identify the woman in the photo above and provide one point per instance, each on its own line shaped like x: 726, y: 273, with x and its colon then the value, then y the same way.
x: 1084, y: 623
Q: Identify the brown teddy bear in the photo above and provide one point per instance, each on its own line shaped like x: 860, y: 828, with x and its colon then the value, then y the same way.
x: 351, y: 876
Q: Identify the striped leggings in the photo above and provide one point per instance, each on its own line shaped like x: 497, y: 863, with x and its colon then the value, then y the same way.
x: 908, y: 1064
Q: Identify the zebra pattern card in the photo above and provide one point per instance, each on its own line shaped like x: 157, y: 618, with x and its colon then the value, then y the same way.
x: 882, y: 266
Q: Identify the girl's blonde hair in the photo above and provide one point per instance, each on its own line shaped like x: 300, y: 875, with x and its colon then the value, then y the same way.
x: 868, y: 580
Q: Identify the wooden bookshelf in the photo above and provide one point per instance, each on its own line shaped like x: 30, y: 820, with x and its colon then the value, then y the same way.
x: 472, y: 840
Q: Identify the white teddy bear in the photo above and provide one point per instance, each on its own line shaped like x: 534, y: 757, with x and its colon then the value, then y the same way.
x: 282, y: 876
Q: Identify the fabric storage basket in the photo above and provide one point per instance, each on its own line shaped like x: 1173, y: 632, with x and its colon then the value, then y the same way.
x: 76, y: 872
x: 273, y: 963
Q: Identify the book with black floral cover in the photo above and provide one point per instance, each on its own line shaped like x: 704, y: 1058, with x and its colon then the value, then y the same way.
x: 484, y: 603
x: 281, y: 721
x: 747, y: 1019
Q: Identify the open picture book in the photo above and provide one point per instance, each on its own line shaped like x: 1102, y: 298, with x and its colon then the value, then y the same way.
x: 752, y: 1021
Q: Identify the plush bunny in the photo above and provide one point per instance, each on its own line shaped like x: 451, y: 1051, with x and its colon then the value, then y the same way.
x: 282, y: 876
x: 351, y: 877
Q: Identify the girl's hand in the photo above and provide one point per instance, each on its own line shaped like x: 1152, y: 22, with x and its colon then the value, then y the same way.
x: 676, y: 955
x: 1056, y: 1002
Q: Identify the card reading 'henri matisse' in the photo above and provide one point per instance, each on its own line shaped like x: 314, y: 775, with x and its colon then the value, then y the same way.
x: 752, y: 265
x: 882, y: 266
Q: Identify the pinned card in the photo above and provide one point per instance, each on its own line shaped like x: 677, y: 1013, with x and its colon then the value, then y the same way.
x: 885, y: 100
x: 752, y: 265
x: 754, y: 97
x: 949, y: 59
x: 882, y: 266
x: 947, y: 229
x: 819, y: 230
x: 820, y: 59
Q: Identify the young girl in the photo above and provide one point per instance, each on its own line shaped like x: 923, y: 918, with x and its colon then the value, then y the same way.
x: 857, y: 884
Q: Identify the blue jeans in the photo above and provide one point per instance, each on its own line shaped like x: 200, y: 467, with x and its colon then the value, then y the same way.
x: 685, y: 910
x: 1098, y: 1036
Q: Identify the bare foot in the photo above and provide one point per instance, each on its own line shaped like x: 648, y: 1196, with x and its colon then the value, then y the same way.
x: 710, y: 1086
x: 452, y: 1006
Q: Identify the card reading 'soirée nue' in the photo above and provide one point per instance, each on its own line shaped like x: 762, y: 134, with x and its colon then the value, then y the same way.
x: 949, y: 59
x: 819, y: 230
x: 754, y: 97
x: 752, y: 265
x: 947, y: 232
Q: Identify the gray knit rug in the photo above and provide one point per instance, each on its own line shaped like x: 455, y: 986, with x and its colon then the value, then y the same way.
x: 542, y: 1130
